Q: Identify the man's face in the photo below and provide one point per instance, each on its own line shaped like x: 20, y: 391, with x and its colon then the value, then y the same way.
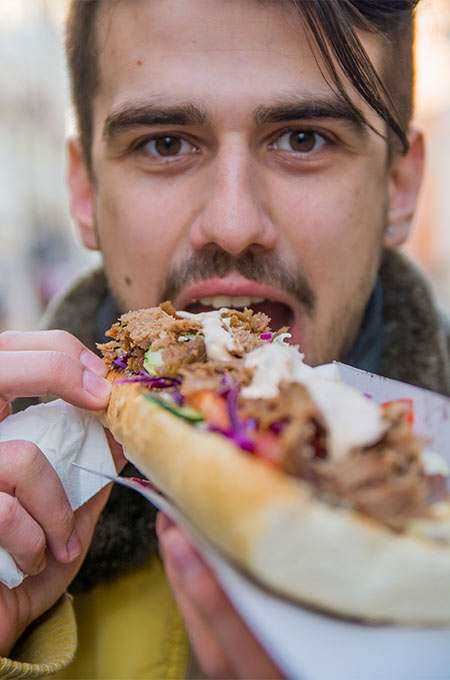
x: 225, y: 166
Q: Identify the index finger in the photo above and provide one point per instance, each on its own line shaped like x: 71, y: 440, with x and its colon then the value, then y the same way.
x: 56, y: 340
x: 39, y: 373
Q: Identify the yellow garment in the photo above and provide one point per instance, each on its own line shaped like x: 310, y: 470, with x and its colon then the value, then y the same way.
x: 127, y: 628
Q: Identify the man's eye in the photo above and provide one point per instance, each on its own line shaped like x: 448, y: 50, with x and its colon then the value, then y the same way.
x: 299, y: 141
x: 166, y: 146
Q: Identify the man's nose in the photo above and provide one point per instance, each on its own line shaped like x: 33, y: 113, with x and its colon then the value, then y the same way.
x: 234, y: 214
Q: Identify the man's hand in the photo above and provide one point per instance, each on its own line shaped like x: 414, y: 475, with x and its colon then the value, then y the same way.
x: 37, y: 526
x: 224, y: 645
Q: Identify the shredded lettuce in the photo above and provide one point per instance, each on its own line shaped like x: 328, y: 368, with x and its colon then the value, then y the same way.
x: 152, y: 361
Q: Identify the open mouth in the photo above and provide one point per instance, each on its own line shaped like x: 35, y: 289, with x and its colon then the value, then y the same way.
x: 281, y: 314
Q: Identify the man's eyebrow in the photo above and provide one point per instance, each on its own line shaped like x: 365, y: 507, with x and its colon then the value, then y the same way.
x: 310, y: 109
x: 140, y: 115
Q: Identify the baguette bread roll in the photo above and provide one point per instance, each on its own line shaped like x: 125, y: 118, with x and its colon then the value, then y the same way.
x: 272, y: 526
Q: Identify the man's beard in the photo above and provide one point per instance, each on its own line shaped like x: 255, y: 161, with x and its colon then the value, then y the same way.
x: 261, y: 267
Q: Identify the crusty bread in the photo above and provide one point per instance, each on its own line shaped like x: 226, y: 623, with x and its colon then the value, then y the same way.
x: 271, y: 524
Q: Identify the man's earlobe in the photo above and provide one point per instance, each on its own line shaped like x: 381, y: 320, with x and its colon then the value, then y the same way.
x: 405, y: 179
x: 81, y: 197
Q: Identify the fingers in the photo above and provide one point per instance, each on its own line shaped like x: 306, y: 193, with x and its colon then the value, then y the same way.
x: 43, y: 590
x: 210, y: 615
x: 27, y: 374
x: 21, y: 536
x: 26, y: 475
x: 56, y: 340
x: 209, y: 654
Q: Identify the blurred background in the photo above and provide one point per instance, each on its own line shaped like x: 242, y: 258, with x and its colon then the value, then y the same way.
x: 39, y: 253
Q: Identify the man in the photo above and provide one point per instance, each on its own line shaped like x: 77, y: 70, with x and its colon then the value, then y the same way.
x: 246, y: 149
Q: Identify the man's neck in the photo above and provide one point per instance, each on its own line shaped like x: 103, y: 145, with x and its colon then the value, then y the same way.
x: 368, y: 346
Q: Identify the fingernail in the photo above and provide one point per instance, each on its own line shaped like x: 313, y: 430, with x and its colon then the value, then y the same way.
x: 73, y: 546
x: 93, y: 363
x: 98, y: 387
x: 182, y: 556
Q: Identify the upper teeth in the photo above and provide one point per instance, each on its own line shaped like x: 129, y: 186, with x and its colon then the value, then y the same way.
x: 219, y: 301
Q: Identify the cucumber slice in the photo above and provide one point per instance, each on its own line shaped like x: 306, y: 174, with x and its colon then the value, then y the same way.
x: 152, y: 361
x: 185, y: 412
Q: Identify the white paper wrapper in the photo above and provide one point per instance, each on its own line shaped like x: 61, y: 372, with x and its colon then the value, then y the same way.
x: 66, y: 435
x: 309, y: 645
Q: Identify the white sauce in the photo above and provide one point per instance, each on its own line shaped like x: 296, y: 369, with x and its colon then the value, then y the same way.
x: 351, y: 419
x: 434, y: 464
x: 218, y: 338
x: 438, y: 527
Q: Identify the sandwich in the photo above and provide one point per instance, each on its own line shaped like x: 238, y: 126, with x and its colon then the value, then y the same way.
x: 319, y: 493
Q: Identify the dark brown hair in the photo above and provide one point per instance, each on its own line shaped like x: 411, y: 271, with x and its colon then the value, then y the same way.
x: 332, y: 26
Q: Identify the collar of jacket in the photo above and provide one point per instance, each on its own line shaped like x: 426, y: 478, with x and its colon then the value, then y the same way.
x: 414, y: 350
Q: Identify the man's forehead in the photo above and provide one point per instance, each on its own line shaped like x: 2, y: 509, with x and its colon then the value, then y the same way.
x: 200, y: 48
x: 158, y: 32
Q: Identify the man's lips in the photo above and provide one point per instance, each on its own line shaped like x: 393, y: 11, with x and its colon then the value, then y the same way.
x: 232, y: 286
x: 280, y: 306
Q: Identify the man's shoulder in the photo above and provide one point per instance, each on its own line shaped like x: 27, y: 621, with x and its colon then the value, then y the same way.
x: 76, y: 308
x: 416, y: 341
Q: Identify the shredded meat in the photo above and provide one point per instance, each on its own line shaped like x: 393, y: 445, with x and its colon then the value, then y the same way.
x: 176, y: 353
x: 159, y: 328
x: 180, y: 341
x: 246, y: 327
x: 384, y: 481
x: 210, y: 376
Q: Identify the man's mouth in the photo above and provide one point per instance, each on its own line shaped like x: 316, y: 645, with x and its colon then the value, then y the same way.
x: 279, y: 313
x: 235, y: 292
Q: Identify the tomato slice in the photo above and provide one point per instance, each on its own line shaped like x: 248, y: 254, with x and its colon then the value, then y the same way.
x: 408, y: 403
x: 212, y: 406
x: 268, y: 447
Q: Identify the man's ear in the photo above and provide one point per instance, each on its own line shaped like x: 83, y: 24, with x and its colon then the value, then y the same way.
x: 81, y: 194
x: 405, y: 179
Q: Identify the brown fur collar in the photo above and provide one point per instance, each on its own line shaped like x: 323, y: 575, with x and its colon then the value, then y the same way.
x: 414, y: 350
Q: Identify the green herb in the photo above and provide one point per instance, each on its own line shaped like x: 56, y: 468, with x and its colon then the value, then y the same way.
x: 185, y: 412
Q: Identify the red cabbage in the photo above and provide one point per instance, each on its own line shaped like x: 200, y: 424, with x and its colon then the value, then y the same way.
x: 159, y: 382
x: 266, y: 336
x: 238, y: 438
x: 177, y: 397
x: 121, y: 362
x: 277, y: 426
x: 239, y: 430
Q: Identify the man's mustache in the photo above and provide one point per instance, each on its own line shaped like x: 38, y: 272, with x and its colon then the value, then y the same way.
x: 260, y: 267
